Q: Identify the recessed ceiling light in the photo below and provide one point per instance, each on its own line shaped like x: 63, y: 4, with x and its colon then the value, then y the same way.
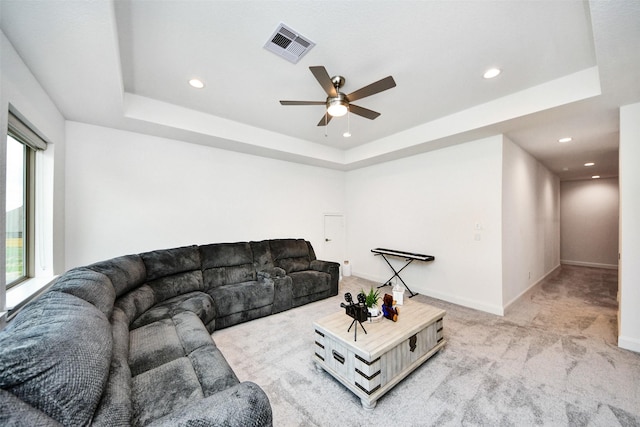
x: 566, y: 139
x: 595, y: 176
x: 346, y: 134
x: 491, y: 73
x: 196, y: 83
x: 589, y: 164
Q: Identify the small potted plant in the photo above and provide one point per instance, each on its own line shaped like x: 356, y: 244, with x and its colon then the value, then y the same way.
x: 371, y: 301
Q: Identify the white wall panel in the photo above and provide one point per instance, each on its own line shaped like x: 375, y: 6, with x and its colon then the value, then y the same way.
x: 530, y: 221
x: 431, y: 203
x: 20, y: 91
x: 589, y: 218
x: 629, y: 321
x: 129, y: 193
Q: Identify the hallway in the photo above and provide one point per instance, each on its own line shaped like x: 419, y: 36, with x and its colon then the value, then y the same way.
x: 573, y: 300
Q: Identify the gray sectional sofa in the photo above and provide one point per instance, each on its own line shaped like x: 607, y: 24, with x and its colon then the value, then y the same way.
x: 127, y: 341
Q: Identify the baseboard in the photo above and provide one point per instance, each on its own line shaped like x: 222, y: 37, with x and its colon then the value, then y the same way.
x: 589, y: 264
x: 366, y: 276
x: 533, y: 285
x: 492, y: 309
x: 627, y: 343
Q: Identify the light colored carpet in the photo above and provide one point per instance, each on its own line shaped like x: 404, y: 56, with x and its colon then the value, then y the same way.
x: 552, y: 360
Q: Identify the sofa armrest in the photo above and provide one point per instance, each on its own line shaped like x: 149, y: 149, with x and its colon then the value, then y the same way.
x: 271, y: 273
x: 330, y: 268
x: 324, y: 266
x: 241, y: 405
x: 15, y: 412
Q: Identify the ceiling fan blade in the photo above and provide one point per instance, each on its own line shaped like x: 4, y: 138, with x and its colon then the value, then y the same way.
x: 323, y: 78
x: 372, y: 89
x: 364, y: 112
x: 325, y: 119
x: 303, y: 102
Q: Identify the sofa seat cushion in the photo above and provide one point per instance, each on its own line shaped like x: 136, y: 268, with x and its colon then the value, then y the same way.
x: 55, y: 356
x: 309, y: 282
x: 163, y: 389
x: 160, y: 342
x: 199, y: 303
x: 174, y: 361
x: 180, y: 383
x: 242, y: 297
x: 244, y: 404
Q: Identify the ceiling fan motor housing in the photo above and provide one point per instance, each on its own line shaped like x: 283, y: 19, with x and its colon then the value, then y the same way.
x: 338, y: 81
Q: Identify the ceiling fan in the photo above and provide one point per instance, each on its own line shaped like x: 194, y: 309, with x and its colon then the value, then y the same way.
x: 338, y: 103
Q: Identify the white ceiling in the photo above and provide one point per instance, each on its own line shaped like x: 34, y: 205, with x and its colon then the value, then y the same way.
x: 567, y: 67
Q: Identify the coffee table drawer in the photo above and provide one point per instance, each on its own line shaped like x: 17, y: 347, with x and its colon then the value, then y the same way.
x: 334, y: 354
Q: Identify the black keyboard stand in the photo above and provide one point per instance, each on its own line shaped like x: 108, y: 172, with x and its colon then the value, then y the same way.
x: 408, y: 258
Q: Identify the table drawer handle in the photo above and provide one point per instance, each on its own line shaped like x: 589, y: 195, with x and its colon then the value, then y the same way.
x: 338, y: 356
x: 413, y: 342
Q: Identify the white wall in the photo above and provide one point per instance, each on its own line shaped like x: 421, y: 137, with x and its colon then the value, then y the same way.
x: 629, y: 273
x: 20, y: 91
x: 129, y: 193
x: 430, y: 203
x: 589, y: 218
x: 530, y: 222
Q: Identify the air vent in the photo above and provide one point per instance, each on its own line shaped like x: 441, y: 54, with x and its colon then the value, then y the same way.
x: 287, y: 43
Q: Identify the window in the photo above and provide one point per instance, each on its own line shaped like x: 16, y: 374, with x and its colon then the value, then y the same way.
x: 22, y: 144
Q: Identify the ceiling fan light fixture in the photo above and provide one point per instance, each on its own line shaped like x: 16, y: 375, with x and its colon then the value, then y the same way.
x: 337, y: 107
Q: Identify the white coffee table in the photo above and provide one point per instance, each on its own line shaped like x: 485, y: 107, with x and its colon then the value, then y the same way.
x: 382, y: 357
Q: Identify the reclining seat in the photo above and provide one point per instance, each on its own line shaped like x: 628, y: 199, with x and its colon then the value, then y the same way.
x: 239, y: 293
x: 312, y: 279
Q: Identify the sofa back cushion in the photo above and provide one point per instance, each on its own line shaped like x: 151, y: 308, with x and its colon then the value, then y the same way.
x: 177, y: 284
x: 262, y: 259
x: 55, y: 356
x: 91, y: 286
x: 290, y: 254
x: 136, y: 302
x: 126, y: 272
x: 168, y: 262
x: 173, y: 272
x: 226, y: 264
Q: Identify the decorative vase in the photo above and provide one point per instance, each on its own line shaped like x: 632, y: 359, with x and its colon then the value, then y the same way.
x: 375, y: 314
